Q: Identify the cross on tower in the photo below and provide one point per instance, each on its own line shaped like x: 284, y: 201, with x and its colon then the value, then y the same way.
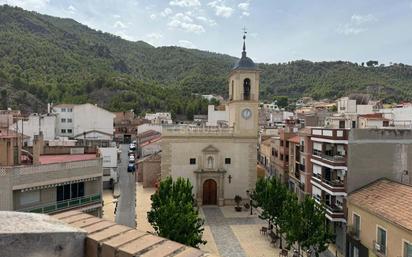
x: 244, y: 41
x: 244, y: 32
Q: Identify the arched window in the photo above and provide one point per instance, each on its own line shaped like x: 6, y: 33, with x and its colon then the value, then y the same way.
x: 246, y: 89
x: 210, y: 162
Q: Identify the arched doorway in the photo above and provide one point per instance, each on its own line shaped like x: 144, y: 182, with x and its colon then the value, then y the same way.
x: 209, y: 192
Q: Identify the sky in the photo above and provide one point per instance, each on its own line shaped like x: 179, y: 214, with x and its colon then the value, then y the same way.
x: 278, y: 30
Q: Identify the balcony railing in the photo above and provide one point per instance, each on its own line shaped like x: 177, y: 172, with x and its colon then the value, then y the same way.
x: 334, y: 183
x: 333, y: 158
x: 379, y: 249
x: 353, y: 232
x: 66, y: 204
x: 333, y: 208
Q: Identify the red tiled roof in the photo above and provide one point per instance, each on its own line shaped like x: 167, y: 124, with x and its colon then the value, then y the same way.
x: 47, y: 159
x: 294, y: 139
x: 387, y: 199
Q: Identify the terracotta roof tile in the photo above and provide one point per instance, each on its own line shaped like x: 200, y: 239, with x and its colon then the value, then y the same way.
x: 387, y: 199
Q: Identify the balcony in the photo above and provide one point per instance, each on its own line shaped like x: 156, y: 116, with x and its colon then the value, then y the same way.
x: 333, y: 208
x: 353, y: 232
x: 63, y: 205
x: 379, y: 249
x: 334, y: 157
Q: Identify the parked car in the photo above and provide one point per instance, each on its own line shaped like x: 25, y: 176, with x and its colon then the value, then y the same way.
x: 132, y: 147
x: 131, y: 152
x: 131, y: 158
x: 131, y: 167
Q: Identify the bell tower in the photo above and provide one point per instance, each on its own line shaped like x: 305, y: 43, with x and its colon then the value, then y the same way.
x: 244, y: 95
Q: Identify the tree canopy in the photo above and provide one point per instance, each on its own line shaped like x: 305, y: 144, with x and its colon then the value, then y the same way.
x: 174, y: 214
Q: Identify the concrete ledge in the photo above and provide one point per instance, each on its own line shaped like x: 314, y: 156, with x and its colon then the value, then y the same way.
x: 108, y: 239
x: 30, y: 234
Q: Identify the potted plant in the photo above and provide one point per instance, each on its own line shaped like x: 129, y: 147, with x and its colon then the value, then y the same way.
x: 238, y: 200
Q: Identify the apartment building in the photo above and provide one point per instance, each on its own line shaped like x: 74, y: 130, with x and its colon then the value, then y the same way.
x: 300, y: 166
x: 280, y: 152
x: 125, y: 126
x: 265, y: 152
x: 379, y: 220
x: 84, y: 122
x: 50, y: 183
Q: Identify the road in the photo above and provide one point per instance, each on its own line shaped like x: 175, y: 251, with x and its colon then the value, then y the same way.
x: 126, y: 207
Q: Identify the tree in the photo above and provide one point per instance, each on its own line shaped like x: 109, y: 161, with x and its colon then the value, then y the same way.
x: 174, y: 214
x: 372, y: 63
x: 281, y: 101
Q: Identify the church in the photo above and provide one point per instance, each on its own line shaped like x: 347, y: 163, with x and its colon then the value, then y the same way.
x: 220, y: 162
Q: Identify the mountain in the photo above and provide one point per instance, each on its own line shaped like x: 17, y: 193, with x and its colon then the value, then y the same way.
x: 48, y: 59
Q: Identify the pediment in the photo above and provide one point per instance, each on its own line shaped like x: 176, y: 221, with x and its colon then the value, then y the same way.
x: 210, y: 149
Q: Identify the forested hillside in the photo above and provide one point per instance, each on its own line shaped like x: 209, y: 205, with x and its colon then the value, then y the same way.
x: 48, y: 59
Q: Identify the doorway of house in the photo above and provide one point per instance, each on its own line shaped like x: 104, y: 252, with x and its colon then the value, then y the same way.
x: 209, y: 192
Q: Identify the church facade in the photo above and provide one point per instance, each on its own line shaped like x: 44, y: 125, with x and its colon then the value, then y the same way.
x: 220, y: 162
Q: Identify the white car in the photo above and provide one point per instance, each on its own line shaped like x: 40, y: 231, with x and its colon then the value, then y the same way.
x: 131, y: 158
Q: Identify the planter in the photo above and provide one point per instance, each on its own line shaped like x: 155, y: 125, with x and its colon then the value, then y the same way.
x: 238, y: 208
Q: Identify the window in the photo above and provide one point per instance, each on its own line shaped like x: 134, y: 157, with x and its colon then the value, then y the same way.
x: 287, y: 144
x: 69, y: 109
x: 192, y: 161
x: 29, y: 197
x: 380, y: 244
x: 69, y: 131
x: 273, y: 151
x: 287, y: 157
x: 341, y: 124
x: 227, y: 160
x: 353, y: 124
x: 63, y: 131
x: 407, y: 249
x: 246, y: 89
x: 69, y: 120
x: 70, y: 191
x: 281, y: 142
x: 356, y: 225
x: 63, y: 109
x: 281, y: 157
x: 386, y: 124
x: 63, y: 120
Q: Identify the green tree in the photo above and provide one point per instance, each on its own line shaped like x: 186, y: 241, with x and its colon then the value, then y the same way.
x: 174, y: 214
x: 281, y: 101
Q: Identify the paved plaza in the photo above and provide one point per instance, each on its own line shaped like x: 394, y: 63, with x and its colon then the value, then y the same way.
x: 237, y: 232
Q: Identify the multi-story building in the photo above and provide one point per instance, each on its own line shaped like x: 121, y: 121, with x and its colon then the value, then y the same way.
x: 86, y: 122
x: 125, y: 126
x: 159, y: 118
x: 379, y: 220
x: 280, y: 147
x: 51, y: 183
x: 265, y: 151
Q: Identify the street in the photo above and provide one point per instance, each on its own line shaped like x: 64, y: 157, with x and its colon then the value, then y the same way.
x: 126, y: 208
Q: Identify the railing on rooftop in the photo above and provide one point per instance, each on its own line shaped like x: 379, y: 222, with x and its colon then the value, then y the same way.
x: 62, y: 205
x: 187, y: 129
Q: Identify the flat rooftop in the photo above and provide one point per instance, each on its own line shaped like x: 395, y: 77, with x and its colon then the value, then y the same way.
x: 47, y: 159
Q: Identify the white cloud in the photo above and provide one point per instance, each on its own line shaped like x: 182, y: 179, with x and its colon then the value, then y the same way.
x: 119, y: 25
x: 154, y: 38
x: 221, y: 9
x: 71, y: 8
x: 359, y: 19
x: 245, y: 13
x: 166, y: 12
x: 123, y: 35
x: 207, y: 21
x: 185, y: 3
x: 244, y: 6
x: 185, y: 23
x: 116, y: 16
x: 357, y: 24
x: 186, y: 44
x: 153, y: 16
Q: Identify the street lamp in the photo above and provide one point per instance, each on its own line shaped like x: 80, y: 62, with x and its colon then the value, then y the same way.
x: 250, y: 201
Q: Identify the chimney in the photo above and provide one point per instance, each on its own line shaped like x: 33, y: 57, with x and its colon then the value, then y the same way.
x: 38, y: 147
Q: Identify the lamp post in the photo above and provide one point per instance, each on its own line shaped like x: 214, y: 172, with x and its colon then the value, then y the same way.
x: 250, y: 201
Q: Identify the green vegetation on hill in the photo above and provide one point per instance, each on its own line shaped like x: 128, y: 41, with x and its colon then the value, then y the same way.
x: 48, y: 59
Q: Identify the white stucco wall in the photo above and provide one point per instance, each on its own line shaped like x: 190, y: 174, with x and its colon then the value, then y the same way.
x: 31, y: 127
x: 214, y: 116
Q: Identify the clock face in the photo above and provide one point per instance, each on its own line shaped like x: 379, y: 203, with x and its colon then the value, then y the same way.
x: 246, y: 113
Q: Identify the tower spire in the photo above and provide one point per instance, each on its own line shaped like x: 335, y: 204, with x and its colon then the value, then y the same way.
x: 244, y: 42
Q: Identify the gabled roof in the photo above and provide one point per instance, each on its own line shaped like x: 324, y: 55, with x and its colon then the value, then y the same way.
x: 210, y: 149
x: 387, y: 199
